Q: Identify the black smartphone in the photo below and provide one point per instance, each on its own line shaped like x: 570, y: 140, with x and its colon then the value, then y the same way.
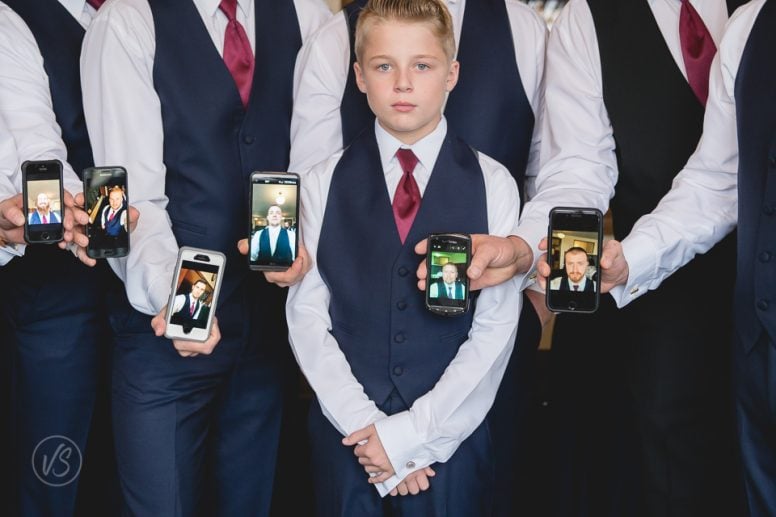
x: 574, y: 253
x: 107, y: 204
x: 447, y: 286
x: 44, y: 201
x: 194, y: 295
x: 274, y: 221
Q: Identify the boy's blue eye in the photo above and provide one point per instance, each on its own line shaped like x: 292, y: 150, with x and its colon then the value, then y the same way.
x: 384, y: 67
x: 423, y: 66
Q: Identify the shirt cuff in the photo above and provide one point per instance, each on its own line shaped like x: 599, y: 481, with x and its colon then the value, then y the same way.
x: 532, y: 234
x: 11, y: 251
x: 404, y: 448
x: 642, y: 264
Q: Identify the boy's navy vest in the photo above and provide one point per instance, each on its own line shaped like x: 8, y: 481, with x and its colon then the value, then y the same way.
x: 378, y: 314
x: 755, y: 94
x: 59, y: 37
x: 488, y: 108
x: 657, y: 122
x: 211, y: 142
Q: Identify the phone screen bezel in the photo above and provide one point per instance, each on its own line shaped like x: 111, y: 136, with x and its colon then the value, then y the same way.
x: 113, y: 251
x: 452, y: 307
x: 284, y: 176
x: 49, y: 170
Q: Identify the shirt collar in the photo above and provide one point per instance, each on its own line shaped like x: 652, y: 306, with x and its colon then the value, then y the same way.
x: 211, y: 6
x: 426, y: 149
x: 74, y: 7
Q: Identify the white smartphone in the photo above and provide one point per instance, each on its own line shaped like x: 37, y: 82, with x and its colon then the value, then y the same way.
x: 194, y: 294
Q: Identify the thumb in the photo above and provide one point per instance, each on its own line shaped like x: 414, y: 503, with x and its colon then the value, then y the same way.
x: 357, y: 436
x: 612, y: 250
x: 421, y: 248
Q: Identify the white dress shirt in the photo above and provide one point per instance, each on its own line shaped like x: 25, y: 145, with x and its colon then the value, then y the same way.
x: 26, y: 107
x: 433, y: 428
x: 322, y: 72
x: 579, y: 166
x: 125, y: 125
x: 683, y: 225
x: 80, y: 10
x: 273, y: 234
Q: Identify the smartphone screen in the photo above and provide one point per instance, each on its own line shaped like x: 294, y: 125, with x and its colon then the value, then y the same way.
x: 43, y: 201
x: 574, y: 250
x: 274, y: 221
x: 107, y: 204
x: 447, y: 286
x: 195, y: 290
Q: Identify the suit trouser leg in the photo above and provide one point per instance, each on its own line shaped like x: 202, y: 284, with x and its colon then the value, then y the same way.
x: 513, y: 421
x: 755, y: 375
x: 171, y: 418
x: 59, y: 343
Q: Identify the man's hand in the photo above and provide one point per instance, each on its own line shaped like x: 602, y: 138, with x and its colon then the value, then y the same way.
x: 370, y: 453
x: 187, y: 348
x: 494, y: 260
x: 293, y: 275
x: 74, y: 224
x: 12, y: 220
x: 415, y: 482
x: 614, y: 267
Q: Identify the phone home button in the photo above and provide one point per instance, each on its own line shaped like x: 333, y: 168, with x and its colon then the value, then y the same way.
x: 45, y: 236
x: 572, y: 306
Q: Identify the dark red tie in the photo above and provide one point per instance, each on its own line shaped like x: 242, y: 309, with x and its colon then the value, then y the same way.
x: 698, y: 50
x: 110, y: 216
x: 95, y: 3
x: 237, y: 51
x: 406, y: 200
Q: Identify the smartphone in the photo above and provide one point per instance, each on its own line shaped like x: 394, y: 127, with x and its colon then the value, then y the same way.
x: 194, y: 294
x: 447, y: 286
x: 43, y: 201
x: 274, y: 221
x: 107, y: 204
x: 574, y: 253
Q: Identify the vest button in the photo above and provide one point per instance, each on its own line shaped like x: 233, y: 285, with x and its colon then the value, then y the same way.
x: 248, y: 139
x: 401, y: 305
x: 400, y: 337
x: 765, y: 256
x: 768, y: 209
x: 762, y: 304
x: 403, y: 271
x: 772, y: 162
x: 398, y: 370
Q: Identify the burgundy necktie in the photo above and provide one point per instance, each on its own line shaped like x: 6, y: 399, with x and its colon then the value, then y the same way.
x: 237, y: 51
x: 45, y: 220
x: 698, y: 50
x: 406, y: 200
x: 191, y: 309
x: 95, y: 3
x: 110, y: 216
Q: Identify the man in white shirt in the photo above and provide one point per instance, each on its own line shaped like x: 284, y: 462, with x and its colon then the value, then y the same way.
x: 280, y: 243
x: 191, y: 117
x: 575, y: 263
x: 40, y: 102
x: 626, y: 87
x: 728, y: 180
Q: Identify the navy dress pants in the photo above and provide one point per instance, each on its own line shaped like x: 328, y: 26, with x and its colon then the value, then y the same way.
x: 755, y: 379
x: 59, y: 346
x: 194, y: 435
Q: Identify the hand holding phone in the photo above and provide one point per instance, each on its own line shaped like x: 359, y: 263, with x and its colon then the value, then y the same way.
x: 273, y: 231
x: 447, y: 286
x: 194, y: 294
x: 574, y: 253
x: 43, y: 197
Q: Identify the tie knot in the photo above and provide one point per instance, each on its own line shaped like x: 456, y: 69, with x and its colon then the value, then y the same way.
x: 407, y: 160
x: 229, y: 7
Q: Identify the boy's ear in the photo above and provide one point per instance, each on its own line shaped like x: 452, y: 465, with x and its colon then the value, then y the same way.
x: 452, y: 76
x: 359, y: 77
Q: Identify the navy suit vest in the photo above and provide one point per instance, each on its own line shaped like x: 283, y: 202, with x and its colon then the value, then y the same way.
x: 378, y: 314
x: 755, y: 93
x: 211, y: 142
x: 59, y: 37
x: 488, y: 108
